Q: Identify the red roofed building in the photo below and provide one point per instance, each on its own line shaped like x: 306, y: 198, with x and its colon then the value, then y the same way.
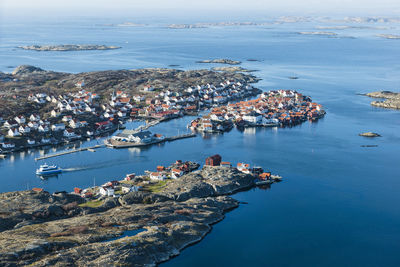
x: 213, y: 160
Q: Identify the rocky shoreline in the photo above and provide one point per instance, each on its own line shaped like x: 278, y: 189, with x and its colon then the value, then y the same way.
x: 68, y: 47
x: 392, y: 99
x: 137, y: 229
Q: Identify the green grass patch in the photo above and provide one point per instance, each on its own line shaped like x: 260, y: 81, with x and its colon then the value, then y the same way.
x: 158, y: 187
x: 118, y: 192
x: 92, y: 204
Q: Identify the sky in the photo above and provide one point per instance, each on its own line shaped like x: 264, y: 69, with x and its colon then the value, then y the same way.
x: 199, y: 7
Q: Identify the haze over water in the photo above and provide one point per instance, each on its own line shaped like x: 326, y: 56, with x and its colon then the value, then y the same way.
x: 338, y: 203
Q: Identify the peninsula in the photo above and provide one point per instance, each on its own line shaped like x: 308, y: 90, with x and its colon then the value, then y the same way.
x: 69, y: 106
x: 68, y: 47
x: 392, y: 99
x: 139, y: 221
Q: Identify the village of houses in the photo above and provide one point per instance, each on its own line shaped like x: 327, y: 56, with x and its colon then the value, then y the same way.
x: 85, y: 114
x: 154, y: 181
x: 273, y: 108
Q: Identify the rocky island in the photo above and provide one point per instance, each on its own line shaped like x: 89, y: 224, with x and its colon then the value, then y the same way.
x: 389, y: 36
x: 137, y: 228
x: 370, y: 134
x: 68, y: 47
x: 319, y: 33
x: 220, y: 61
x: 392, y: 100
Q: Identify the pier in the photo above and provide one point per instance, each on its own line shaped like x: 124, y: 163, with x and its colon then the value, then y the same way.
x: 109, y: 142
x: 182, y: 136
x: 92, y: 148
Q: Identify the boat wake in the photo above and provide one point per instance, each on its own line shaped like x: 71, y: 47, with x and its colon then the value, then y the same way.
x: 98, y: 165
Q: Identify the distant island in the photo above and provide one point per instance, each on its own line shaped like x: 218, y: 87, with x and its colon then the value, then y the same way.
x: 211, y: 24
x: 389, y: 36
x: 370, y: 134
x: 344, y: 27
x: 319, y: 33
x: 220, y: 61
x: 68, y: 47
x: 392, y: 100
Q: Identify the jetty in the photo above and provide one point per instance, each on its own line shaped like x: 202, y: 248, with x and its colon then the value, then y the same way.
x: 92, y: 148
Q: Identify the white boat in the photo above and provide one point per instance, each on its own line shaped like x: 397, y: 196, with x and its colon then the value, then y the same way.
x: 48, y: 170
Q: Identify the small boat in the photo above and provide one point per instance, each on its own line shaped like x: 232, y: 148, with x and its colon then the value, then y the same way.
x: 48, y: 170
x: 276, y: 177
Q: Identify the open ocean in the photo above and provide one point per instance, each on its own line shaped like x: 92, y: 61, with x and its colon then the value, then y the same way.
x: 338, y: 204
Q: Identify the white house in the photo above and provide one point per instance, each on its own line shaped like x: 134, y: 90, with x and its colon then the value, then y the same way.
x: 75, y: 124
x: 253, y: 118
x: 69, y: 133
x: 126, y: 188
x: 58, y: 127
x: 159, y: 176
x: 107, y: 191
x: 43, y: 128
x: 34, y: 117
x: 176, y: 173
x: 54, y: 113
x: 13, y: 132
x: 33, y: 124
x: 20, y: 119
x: 24, y: 129
x: 10, y: 124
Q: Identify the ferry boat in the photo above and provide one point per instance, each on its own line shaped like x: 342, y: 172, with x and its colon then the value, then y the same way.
x: 48, y: 170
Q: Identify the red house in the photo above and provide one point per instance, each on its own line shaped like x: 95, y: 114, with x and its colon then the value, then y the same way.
x: 265, y: 176
x: 129, y: 177
x: 213, y: 160
x: 77, y: 190
x: 37, y: 189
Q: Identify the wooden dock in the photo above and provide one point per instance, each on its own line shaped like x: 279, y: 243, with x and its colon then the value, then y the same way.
x: 182, y: 136
x: 70, y: 152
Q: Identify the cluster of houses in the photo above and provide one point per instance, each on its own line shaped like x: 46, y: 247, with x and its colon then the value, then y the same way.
x: 83, y: 114
x: 131, y: 182
x: 174, y: 171
x: 273, y: 108
x: 257, y: 172
x: 109, y: 189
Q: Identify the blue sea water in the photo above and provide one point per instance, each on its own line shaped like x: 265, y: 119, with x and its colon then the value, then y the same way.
x: 338, y: 202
